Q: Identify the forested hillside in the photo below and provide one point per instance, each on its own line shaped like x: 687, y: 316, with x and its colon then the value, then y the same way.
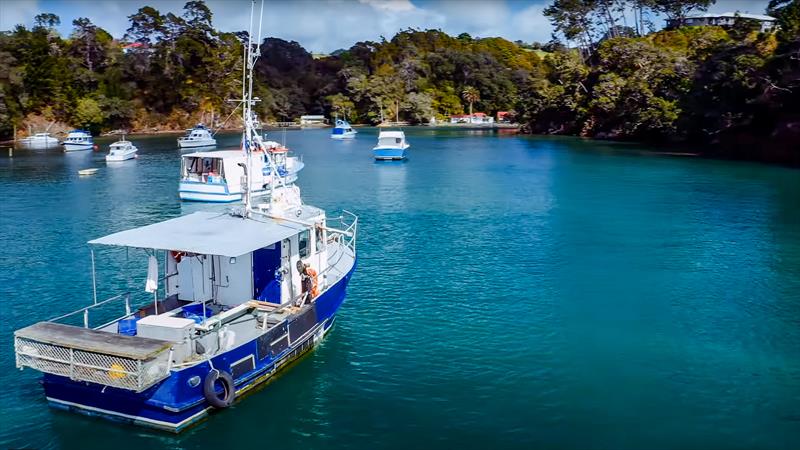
x: 737, y: 88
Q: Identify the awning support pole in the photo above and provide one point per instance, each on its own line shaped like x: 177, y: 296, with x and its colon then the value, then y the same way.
x: 94, y: 280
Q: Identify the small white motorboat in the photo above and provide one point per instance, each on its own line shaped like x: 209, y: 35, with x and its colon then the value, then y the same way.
x: 121, y: 150
x: 39, y: 140
x: 78, y: 140
x: 91, y: 171
x: 199, y: 136
x: 391, y: 145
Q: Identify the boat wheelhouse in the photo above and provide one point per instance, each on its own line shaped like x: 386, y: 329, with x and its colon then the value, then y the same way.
x: 217, y: 176
x: 392, y: 145
x: 78, y: 140
x: 343, y: 130
x: 238, y: 299
x: 121, y: 150
x: 199, y: 136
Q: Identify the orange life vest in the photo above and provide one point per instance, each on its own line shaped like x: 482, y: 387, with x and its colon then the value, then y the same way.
x: 314, y: 286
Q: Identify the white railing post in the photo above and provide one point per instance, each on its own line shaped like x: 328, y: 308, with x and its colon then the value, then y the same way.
x: 128, y: 304
x: 85, y: 318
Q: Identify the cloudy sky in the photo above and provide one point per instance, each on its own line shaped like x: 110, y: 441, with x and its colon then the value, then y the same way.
x: 325, y: 25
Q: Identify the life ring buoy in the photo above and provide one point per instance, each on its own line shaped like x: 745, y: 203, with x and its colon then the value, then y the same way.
x: 210, y: 389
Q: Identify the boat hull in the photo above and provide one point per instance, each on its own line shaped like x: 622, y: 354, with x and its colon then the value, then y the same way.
x: 389, y: 153
x: 343, y: 136
x: 120, y: 158
x: 76, y: 147
x: 193, y: 191
x: 197, y: 143
x: 173, y: 405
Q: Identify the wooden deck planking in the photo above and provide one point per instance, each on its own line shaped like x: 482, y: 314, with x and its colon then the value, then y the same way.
x: 89, y: 340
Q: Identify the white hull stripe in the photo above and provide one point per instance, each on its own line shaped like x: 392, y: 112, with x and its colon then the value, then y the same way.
x: 159, y: 423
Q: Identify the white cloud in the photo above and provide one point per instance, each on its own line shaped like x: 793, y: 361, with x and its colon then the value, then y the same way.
x: 318, y: 25
x: 390, y: 5
x: 16, y: 12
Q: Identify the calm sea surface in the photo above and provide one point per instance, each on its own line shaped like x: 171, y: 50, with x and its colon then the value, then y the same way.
x: 511, y: 292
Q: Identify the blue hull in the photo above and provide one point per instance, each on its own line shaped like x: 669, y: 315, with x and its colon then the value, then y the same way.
x: 389, y: 153
x: 173, y: 404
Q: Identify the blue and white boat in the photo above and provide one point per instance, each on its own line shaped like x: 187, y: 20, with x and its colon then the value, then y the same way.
x: 78, y: 140
x: 235, y: 298
x: 199, y: 136
x: 343, y: 130
x: 216, y: 177
x: 392, y: 145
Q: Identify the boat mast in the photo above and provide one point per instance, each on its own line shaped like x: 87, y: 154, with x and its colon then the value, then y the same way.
x: 252, y: 139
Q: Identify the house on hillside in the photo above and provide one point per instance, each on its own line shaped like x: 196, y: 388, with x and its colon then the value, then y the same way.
x: 312, y: 120
x: 726, y: 20
x: 477, y: 118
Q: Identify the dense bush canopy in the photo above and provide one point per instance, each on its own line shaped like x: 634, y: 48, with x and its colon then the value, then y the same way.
x: 704, y: 84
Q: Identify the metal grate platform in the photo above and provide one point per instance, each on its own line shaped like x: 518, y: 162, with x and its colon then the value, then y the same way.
x: 109, y: 359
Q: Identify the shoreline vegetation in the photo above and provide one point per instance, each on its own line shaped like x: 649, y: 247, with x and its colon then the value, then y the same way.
x: 733, y: 91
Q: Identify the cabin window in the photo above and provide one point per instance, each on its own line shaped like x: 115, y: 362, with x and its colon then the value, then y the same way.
x: 302, y: 241
x: 320, y: 239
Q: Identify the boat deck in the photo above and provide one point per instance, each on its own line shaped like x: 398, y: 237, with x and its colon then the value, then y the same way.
x: 137, y: 348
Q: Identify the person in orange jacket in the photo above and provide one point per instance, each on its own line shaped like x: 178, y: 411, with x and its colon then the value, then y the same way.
x: 308, y: 281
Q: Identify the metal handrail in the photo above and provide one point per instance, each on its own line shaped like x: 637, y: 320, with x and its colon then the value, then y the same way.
x: 126, y: 295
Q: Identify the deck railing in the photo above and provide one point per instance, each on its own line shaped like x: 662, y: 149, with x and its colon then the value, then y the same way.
x: 348, y: 223
x: 126, y: 298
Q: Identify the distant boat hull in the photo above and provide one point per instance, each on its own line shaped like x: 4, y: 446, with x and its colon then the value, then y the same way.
x: 73, y: 147
x: 187, y: 143
x: 121, y: 157
x: 388, y: 154
x: 39, y: 142
x: 344, y: 136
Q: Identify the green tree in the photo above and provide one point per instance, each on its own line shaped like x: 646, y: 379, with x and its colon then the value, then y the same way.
x: 46, y: 20
x: 87, y: 112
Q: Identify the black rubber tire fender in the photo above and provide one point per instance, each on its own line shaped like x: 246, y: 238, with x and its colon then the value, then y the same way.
x: 228, y: 389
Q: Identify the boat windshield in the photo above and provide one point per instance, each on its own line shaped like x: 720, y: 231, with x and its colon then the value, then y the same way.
x: 390, y: 141
x: 196, y: 168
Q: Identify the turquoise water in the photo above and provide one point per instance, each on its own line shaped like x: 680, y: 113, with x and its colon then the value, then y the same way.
x: 512, y: 292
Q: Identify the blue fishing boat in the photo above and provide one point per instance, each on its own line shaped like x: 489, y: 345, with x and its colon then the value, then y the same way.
x: 232, y: 299
x: 343, y: 130
x: 392, y: 145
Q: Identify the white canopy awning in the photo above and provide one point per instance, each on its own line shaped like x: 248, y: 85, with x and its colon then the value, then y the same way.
x: 205, y: 233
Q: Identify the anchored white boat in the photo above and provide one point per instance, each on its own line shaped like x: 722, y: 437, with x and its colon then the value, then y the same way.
x: 343, y: 130
x: 235, y: 299
x: 199, y: 136
x: 121, y: 150
x: 39, y: 140
x: 217, y: 176
x: 78, y: 140
x: 391, y: 145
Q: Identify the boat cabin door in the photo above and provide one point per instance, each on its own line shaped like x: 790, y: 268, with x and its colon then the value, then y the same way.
x: 287, y: 292
x: 267, y: 273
